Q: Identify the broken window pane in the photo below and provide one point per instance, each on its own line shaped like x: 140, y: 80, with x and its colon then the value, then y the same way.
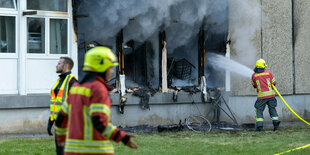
x: 58, y: 36
x: 36, y: 35
x: 6, y: 4
x: 54, y: 5
x: 7, y: 34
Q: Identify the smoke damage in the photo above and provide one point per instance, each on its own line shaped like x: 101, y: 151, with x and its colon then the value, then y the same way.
x: 182, y: 22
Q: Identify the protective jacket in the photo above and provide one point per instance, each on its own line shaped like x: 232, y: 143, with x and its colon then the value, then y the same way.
x: 59, y: 93
x: 84, y: 121
x: 263, y: 81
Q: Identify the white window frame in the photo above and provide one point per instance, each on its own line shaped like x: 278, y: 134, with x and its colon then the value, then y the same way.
x: 47, y: 15
x: 11, y: 12
x: 22, y: 31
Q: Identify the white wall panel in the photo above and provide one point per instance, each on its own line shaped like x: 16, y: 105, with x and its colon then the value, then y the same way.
x: 8, y: 78
x: 40, y: 75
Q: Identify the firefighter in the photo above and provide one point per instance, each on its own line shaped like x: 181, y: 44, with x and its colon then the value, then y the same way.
x: 263, y: 80
x: 59, y: 92
x: 84, y: 122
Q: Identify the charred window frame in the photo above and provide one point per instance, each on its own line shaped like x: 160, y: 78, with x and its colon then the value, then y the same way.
x: 182, y: 63
x: 133, y: 61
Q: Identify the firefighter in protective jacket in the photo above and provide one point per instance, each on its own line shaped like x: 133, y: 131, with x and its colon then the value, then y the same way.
x: 84, y: 123
x: 263, y: 80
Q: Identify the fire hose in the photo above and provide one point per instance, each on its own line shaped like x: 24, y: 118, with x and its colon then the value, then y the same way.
x: 289, y: 106
x: 296, y: 116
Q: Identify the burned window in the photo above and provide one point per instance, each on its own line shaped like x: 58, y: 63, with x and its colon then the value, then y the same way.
x: 7, y: 34
x: 54, y: 5
x: 58, y: 36
x: 181, y: 66
x: 36, y: 35
x: 137, y: 64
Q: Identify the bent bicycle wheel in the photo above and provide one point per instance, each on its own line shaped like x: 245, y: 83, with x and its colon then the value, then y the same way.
x: 198, y: 123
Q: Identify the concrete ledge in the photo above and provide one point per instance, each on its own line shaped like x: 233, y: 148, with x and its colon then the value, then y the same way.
x: 43, y: 100
x: 24, y: 101
x: 159, y: 98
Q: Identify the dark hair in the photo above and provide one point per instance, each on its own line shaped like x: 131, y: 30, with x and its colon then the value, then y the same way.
x: 69, y: 61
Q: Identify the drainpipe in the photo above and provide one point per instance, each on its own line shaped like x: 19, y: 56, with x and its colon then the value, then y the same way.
x: 293, y: 48
x: 261, y: 28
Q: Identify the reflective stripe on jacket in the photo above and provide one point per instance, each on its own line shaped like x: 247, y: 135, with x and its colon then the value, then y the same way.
x: 263, y: 83
x: 57, y: 101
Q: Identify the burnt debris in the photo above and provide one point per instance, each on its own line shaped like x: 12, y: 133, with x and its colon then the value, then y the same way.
x: 144, y: 94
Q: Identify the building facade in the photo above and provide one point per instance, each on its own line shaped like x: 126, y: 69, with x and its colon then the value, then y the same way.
x: 34, y: 34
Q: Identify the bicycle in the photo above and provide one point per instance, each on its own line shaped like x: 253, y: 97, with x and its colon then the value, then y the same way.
x: 194, y: 123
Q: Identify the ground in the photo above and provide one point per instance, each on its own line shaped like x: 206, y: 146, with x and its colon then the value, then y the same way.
x: 184, y: 142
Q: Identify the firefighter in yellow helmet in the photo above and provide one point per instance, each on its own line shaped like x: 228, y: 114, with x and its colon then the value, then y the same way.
x: 84, y: 123
x: 263, y: 80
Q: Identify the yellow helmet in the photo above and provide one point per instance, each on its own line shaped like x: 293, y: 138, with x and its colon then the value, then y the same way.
x: 99, y: 59
x: 261, y: 63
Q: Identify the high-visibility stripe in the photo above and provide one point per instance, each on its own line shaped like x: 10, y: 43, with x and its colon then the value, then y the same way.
x: 258, y: 86
x: 82, y: 150
x: 99, y: 108
x: 273, y: 80
x: 109, y: 130
x: 60, y: 131
x: 84, y: 146
x: 57, y: 99
x: 274, y: 118
x: 57, y: 103
x: 261, y: 74
x: 86, y: 123
x: 55, y: 85
x: 84, y: 142
x: 80, y: 91
x: 65, y: 108
x: 269, y: 84
x: 259, y: 119
x: 266, y: 93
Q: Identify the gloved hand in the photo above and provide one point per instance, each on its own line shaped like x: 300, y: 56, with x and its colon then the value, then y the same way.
x: 49, y: 127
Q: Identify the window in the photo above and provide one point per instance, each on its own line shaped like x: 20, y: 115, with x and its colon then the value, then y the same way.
x: 36, y: 35
x: 58, y: 36
x: 48, y: 5
x: 7, y: 4
x: 48, y: 27
x: 7, y: 34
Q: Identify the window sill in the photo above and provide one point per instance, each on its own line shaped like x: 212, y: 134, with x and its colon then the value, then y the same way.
x: 8, y: 56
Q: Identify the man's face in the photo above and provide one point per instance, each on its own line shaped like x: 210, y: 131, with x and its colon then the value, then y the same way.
x: 109, y: 74
x: 60, y: 66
